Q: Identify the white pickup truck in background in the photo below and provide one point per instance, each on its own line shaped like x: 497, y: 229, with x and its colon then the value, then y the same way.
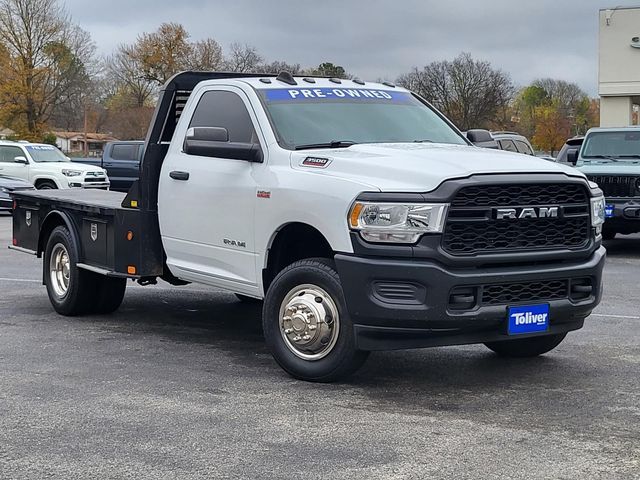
x: 362, y: 217
x: 46, y: 167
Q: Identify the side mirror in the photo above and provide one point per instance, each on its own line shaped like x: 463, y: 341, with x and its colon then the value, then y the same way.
x: 482, y: 138
x: 572, y: 157
x: 214, y: 142
x: 20, y: 159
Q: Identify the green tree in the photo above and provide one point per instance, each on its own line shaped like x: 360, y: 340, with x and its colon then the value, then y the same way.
x: 328, y: 69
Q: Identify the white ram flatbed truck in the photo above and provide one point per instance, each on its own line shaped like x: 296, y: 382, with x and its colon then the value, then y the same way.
x: 363, y: 218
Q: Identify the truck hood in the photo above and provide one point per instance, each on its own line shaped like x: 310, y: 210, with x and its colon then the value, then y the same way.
x: 418, y: 167
x: 59, y: 166
x: 610, y: 168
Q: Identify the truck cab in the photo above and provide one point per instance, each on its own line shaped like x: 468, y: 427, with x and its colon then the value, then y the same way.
x: 610, y: 157
x: 360, y: 216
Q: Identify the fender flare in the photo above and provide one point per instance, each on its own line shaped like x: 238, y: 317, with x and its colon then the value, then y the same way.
x: 45, y: 228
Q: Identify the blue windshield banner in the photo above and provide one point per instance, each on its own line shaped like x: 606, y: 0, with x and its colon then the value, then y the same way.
x: 351, y: 94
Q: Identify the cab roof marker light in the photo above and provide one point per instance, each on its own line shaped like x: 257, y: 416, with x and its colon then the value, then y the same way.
x: 358, y: 81
x: 309, y: 80
x: 335, y: 80
x: 286, y: 77
x: 389, y: 84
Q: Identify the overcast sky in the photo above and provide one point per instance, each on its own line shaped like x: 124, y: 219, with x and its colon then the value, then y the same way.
x: 377, y: 39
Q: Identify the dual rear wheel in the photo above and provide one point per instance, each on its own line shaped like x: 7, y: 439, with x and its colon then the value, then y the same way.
x: 72, y: 290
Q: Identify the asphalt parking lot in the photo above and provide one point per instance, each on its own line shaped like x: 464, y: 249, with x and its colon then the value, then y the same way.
x: 178, y: 384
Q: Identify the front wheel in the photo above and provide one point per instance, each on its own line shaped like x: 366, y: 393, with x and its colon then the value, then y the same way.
x: 526, y: 347
x: 306, y: 324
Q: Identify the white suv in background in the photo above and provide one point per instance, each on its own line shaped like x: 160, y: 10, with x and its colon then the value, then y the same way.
x: 46, y: 167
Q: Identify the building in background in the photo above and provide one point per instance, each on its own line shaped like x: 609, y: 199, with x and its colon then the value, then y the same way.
x: 619, y: 66
x: 73, y: 143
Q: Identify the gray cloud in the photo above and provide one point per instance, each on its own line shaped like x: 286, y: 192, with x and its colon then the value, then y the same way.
x: 374, y: 38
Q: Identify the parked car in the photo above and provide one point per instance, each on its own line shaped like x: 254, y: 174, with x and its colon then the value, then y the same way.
x: 610, y: 157
x: 509, y: 141
x: 360, y: 214
x: 46, y: 167
x: 572, y: 145
x: 8, y: 185
x: 513, y: 142
x: 121, y: 160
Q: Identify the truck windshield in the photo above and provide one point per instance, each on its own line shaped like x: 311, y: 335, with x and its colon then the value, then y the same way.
x: 612, y: 146
x: 341, y: 117
x: 46, y: 153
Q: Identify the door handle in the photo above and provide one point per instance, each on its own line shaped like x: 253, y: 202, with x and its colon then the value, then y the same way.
x: 176, y: 175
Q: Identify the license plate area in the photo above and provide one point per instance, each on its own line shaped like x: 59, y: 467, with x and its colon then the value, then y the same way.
x: 525, y: 319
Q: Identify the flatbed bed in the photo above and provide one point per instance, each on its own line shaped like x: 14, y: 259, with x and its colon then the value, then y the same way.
x: 81, y: 199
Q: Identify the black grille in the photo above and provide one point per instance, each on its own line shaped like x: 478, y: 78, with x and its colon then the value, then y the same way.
x: 618, y: 186
x: 510, y: 293
x: 472, y: 229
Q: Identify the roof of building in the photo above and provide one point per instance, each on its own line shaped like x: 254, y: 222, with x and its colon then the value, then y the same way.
x: 101, y: 137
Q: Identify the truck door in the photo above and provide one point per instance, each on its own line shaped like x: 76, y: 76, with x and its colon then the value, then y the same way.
x: 8, y: 164
x: 206, y: 210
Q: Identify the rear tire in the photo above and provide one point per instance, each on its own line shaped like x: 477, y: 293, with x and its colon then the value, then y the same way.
x: 71, y: 290
x: 110, y: 293
x: 526, y: 347
x: 47, y: 185
x: 306, y: 323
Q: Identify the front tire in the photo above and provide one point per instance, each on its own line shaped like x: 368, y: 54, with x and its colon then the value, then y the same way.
x: 526, y: 347
x: 47, y: 185
x: 306, y: 323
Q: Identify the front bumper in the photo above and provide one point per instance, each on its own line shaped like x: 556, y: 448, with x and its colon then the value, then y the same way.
x: 81, y: 184
x: 407, y: 303
x: 626, y: 215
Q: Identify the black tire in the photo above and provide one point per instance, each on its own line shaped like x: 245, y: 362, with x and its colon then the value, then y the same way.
x: 110, y: 293
x: 248, y: 300
x: 47, y: 185
x: 343, y: 358
x: 608, y: 234
x: 81, y: 294
x: 526, y: 347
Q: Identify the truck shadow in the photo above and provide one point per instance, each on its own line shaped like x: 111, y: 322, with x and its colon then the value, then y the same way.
x: 624, y: 246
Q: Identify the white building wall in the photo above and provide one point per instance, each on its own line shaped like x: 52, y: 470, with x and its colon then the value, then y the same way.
x: 619, y: 65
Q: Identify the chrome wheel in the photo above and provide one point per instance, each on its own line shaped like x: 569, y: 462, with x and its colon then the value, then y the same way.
x: 309, y: 322
x: 60, y: 269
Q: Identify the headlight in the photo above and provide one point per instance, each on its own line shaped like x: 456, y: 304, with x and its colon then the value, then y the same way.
x: 597, y: 211
x: 4, y: 190
x: 71, y: 173
x: 396, y: 222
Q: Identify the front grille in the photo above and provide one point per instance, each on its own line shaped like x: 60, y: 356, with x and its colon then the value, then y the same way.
x: 472, y: 228
x: 95, y: 180
x: 620, y: 186
x: 510, y: 293
x: 467, y: 297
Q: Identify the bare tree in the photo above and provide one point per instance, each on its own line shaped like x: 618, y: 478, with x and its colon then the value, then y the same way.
x: 48, y: 60
x: 279, y: 66
x: 205, y: 55
x: 470, y: 92
x: 125, y: 76
x: 242, y: 58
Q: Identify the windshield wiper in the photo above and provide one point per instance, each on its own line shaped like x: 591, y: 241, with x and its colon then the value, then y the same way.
x: 601, y: 157
x: 633, y: 156
x: 331, y: 144
x: 423, y: 141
